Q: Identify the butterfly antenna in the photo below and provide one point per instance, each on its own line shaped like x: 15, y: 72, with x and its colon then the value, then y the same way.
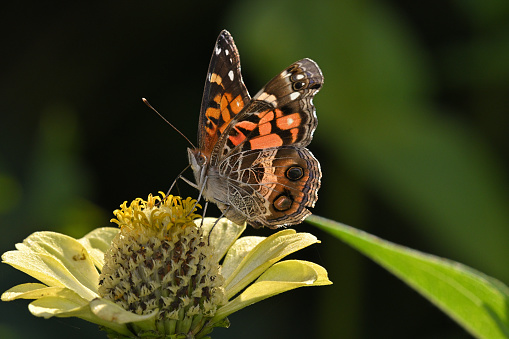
x: 169, y: 123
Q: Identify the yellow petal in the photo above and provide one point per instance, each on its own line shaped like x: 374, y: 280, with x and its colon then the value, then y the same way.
x: 48, y: 307
x: 223, y: 235
x: 56, y: 260
x: 98, y: 242
x: 37, y: 291
x: 112, y: 312
x: 237, y: 252
x: 279, y: 278
x: 19, y: 291
x: 98, y: 311
x: 264, y: 255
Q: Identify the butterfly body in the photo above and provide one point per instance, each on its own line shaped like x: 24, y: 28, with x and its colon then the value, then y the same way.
x: 251, y: 159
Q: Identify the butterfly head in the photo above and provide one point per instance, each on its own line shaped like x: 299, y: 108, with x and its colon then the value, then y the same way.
x: 198, y: 162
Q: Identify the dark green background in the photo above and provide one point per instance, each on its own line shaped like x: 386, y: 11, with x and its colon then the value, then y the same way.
x: 412, y: 138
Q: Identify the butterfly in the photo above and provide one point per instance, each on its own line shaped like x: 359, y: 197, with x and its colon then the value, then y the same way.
x: 251, y: 159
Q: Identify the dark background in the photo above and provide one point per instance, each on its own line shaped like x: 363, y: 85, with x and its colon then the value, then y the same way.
x: 412, y: 138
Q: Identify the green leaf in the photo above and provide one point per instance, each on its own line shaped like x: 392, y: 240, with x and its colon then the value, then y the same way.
x: 477, y: 302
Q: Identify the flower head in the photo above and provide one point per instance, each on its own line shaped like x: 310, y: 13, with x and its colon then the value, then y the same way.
x: 160, y: 262
x: 160, y: 274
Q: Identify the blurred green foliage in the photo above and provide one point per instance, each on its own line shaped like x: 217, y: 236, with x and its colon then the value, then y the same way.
x: 412, y: 137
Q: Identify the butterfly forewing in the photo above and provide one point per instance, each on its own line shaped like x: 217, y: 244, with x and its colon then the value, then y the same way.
x: 281, y: 114
x: 225, y: 94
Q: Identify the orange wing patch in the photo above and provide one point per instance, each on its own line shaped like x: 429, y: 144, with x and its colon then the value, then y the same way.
x: 247, y: 125
x: 266, y: 141
x: 289, y: 121
x: 237, y: 104
x: 237, y: 139
x: 266, y: 117
x: 264, y: 126
x: 240, y: 137
x: 213, y: 112
x: 225, y: 112
x: 295, y: 133
x: 228, y: 108
x: 216, y: 78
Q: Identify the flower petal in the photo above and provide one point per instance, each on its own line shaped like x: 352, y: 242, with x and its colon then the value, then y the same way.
x: 237, y: 252
x: 111, y: 312
x: 279, y: 278
x: 19, y: 291
x: 98, y: 242
x: 37, y: 291
x: 223, y: 235
x: 98, y: 311
x: 65, y: 307
x: 48, y: 307
x: 264, y: 255
x: 56, y: 260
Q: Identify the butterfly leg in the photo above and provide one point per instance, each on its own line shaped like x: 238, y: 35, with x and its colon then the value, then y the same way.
x: 217, y: 220
x: 187, y: 181
x: 195, y: 186
x: 204, y: 212
x: 180, y: 177
x: 190, y: 183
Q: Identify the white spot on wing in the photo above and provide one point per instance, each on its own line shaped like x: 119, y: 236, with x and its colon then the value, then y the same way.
x: 262, y: 96
x: 270, y: 98
x: 230, y: 75
x: 218, y: 50
x: 294, y: 95
x: 299, y: 76
x: 226, y: 52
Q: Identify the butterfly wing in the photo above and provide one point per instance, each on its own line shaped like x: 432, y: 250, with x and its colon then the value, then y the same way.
x: 225, y: 94
x: 281, y: 114
x: 271, y: 176
x: 271, y: 187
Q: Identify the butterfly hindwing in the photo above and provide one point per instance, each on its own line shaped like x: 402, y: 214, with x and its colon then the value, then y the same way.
x: 271, y: 187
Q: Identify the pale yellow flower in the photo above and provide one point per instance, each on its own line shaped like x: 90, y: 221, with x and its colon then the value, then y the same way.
x: 160, y: 274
